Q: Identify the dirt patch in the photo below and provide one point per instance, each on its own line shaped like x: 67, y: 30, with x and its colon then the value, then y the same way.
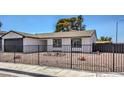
x: 93, y: 62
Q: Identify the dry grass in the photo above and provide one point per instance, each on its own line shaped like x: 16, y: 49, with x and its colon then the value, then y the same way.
x: 92, y: 62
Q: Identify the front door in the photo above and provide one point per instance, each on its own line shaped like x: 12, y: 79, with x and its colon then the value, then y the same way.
x: 44, y: 45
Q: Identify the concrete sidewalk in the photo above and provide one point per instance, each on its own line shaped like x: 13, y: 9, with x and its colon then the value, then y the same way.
x: 36, y: 70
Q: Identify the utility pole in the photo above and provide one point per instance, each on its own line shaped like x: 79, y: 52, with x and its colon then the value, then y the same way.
x: 117, y: 28
x: 116, y: 32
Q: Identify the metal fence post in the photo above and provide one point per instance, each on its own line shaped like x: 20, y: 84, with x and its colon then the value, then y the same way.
x: 38, y: 56
x: 113, y: 58
x: 71, y: 55
x: 14, y: 52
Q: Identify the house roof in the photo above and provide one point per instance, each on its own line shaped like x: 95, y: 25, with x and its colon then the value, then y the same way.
x: 87, y: 33
x: 22, y: 34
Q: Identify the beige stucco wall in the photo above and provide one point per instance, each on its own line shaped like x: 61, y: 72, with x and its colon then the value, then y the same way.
x: 12, y: 35
x: 94, y: 38
x: 31, y: 41
x: 66, y: 44
x: 31, y: 44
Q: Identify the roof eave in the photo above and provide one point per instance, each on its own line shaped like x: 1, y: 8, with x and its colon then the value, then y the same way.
x: 64, y: 37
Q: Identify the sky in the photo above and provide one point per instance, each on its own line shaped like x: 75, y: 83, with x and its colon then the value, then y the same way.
x: 105, y: 25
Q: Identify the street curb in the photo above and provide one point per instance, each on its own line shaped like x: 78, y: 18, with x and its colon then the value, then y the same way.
x: 25, y: 73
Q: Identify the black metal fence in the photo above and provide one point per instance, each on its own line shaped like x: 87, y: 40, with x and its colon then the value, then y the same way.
x: 81, y: 58
x: 108, y: 47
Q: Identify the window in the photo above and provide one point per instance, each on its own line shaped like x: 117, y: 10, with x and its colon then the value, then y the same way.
x: 57, y: 43
x: 76, y: 42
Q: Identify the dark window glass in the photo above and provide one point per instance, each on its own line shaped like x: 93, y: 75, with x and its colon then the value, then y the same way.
x: 76, y: 42
x: 57, y: 43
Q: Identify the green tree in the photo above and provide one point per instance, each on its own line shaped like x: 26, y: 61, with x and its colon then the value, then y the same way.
x: 79, y: 21
x: 105, y: 38
x: 67, y: 24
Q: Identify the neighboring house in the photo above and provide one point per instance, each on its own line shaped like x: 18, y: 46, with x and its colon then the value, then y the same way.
x: 80, y: 41
x: 103, y: 42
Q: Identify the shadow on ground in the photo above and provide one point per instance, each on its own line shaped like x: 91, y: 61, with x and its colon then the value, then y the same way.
x: 25, y: 73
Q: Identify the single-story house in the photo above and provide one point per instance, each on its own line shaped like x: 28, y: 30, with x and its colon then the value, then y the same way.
x: 80, y: 41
